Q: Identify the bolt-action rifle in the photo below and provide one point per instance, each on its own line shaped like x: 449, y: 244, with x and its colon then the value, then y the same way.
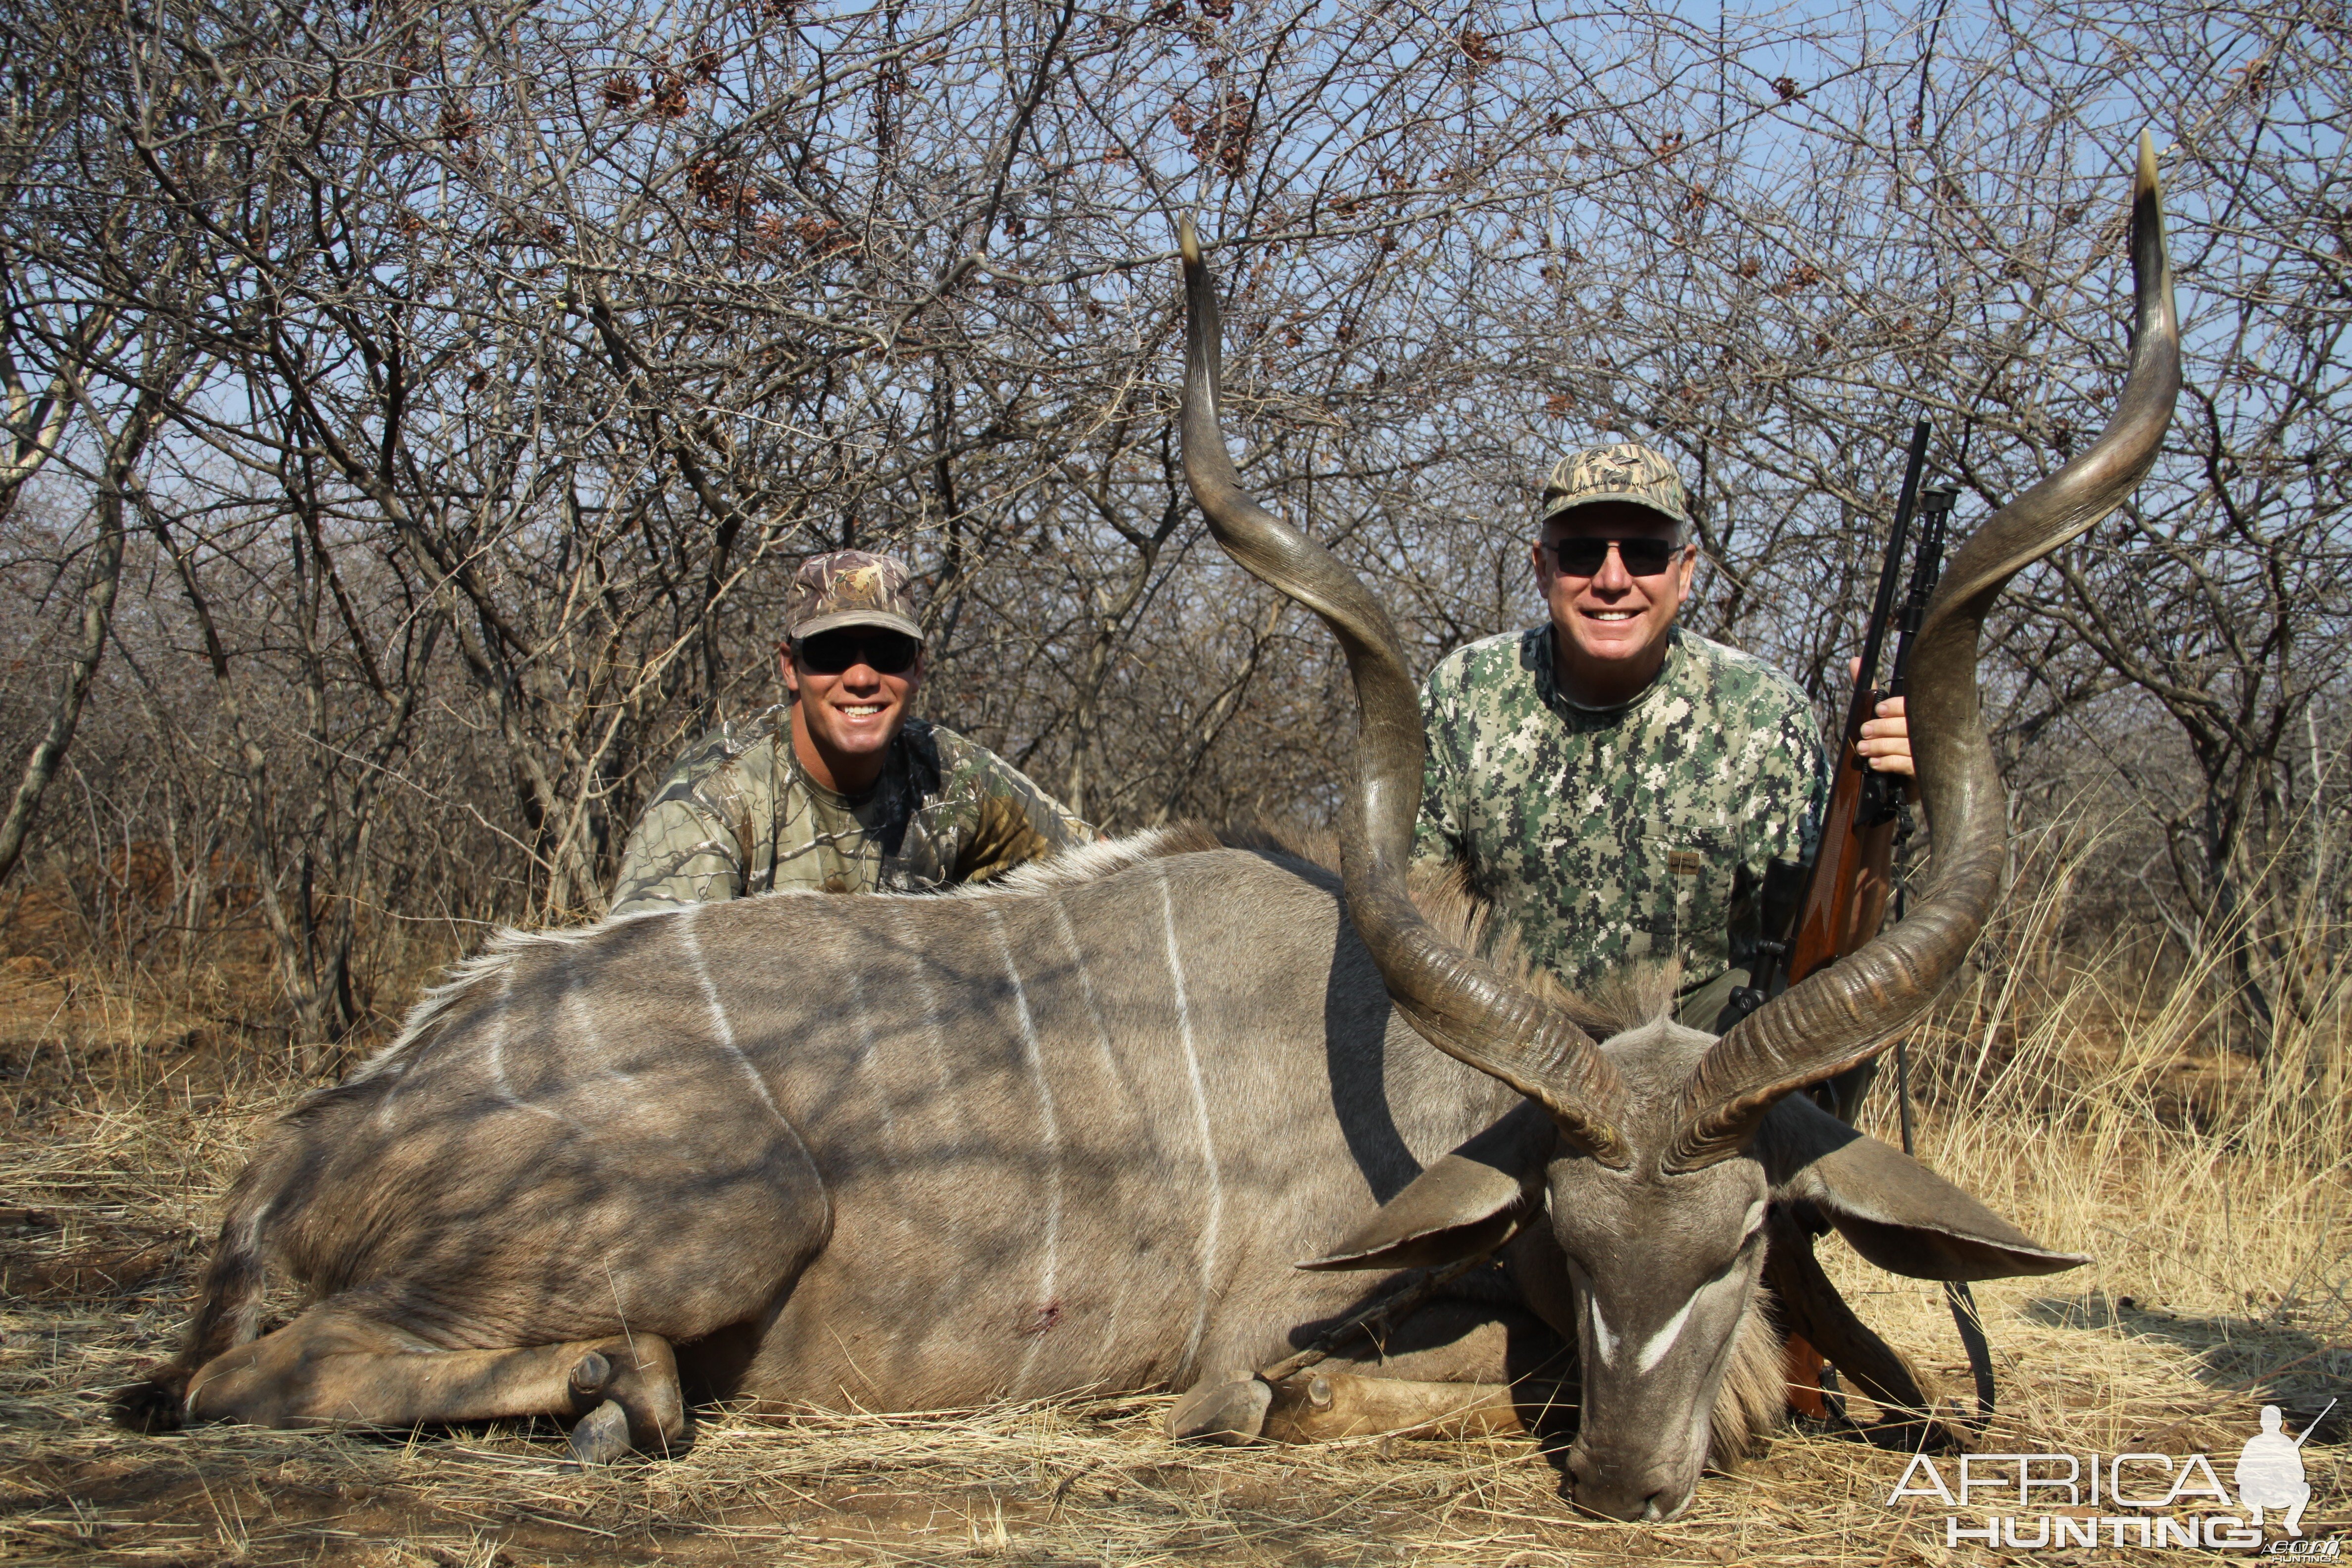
x: 1814, y: 916
x: 1841, y: 901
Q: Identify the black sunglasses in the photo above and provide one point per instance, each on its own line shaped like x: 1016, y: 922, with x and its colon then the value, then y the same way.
x: 830, y: 653
x: 1583, y: 557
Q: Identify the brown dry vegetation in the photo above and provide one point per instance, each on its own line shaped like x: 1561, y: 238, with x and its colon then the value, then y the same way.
x: 2070, y: 1093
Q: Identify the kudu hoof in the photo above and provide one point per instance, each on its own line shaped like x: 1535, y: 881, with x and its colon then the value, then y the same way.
x: 151, y: 1406
x: 639, y: 1374
x: 589, y: 1379
x: 601, y: 1437
x: 1229, y: 1412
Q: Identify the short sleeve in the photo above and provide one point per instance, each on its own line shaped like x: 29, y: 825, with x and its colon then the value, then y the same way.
x: 683, y: 850
x: 1437, y: 836
x: 1794, y: 786
x: 998, y: 817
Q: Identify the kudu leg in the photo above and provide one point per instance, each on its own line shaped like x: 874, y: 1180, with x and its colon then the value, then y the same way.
x: 1320, y: 1407
x: 1230, y: 1410
x: 1819, y: 1314
x: 1841, y: 1098
x: 1455, y: 1369
x: 331, y: 1368
x: 1317, y: 1406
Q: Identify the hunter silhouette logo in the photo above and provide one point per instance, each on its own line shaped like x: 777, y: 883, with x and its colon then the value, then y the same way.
x: 2270, y: 1470
x: 2051, y: 1502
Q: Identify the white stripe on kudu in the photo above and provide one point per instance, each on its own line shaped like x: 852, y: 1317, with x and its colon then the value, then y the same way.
x: 878, y: 1084
x: 911, y: 943
x: 869, y: 1059
x: 1664, y: 1340
x: 579, y: 1023
x: 1048, y: 1273
x: 726, y: 1031
x: 1603, y: 1341
x: 1086, y: 989
x: 1201, y: 1113
x: 498, y: 1054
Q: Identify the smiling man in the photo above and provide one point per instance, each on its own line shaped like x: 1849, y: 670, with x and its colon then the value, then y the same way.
x: 1614, y: 784
x: 840, y: 790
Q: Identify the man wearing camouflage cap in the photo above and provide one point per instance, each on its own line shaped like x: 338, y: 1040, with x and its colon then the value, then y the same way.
x: 839, y: 790
x: 1613, y: 783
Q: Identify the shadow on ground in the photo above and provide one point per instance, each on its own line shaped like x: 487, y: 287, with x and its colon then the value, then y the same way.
x: 2271, y: 1358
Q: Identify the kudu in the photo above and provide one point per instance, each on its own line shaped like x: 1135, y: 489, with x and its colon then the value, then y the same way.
x: 1069, y: 1133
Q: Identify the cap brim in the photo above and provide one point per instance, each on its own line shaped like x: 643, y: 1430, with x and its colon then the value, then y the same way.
x: 840, y: 618
x: 1572, y: 503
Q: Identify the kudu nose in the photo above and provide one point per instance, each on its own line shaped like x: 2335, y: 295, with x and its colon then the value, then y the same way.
x: 1632, y: 1496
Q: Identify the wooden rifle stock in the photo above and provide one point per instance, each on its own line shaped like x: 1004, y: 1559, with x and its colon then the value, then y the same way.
x: 1851, y: 878
x: 1846, y: 896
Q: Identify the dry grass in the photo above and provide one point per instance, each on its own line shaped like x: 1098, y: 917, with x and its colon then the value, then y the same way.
x: 2214, y: 1198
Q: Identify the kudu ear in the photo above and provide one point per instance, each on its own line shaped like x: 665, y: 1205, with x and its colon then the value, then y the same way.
x: 1465, y: 1203
x: 1893, y: 1210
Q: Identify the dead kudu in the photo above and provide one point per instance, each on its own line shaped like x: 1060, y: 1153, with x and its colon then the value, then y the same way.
x: 1070, y: 1132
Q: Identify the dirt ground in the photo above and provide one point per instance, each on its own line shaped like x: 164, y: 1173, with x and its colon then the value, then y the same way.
x: 125, y: 1117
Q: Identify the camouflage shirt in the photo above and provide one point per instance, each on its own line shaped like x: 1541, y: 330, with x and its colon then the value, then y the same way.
x: 1613, y: 835
x: 738, y: 814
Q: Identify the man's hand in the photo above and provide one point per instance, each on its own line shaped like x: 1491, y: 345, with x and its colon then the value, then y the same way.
x: 1885, y: 742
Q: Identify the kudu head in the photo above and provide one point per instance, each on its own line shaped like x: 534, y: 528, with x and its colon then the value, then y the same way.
x: 1659, y: 1155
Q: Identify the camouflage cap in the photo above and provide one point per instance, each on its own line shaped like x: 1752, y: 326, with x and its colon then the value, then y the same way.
x: 1622, y: 470
x: 850, y: 588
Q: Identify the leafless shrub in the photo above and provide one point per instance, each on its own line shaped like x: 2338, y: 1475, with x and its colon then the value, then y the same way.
x: 426, y: 404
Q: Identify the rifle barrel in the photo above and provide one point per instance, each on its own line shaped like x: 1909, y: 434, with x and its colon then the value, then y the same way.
x: 1927, y: 566
x: 2315, y: 1420
x: 1874, y: 638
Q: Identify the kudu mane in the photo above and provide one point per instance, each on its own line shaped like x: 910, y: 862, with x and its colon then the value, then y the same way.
x: 1444, y: 896
x: 1085, y: 863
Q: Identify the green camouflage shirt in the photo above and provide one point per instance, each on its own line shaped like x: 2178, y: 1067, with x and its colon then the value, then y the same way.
x: 1610, y: 835
x: 738, y: 814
